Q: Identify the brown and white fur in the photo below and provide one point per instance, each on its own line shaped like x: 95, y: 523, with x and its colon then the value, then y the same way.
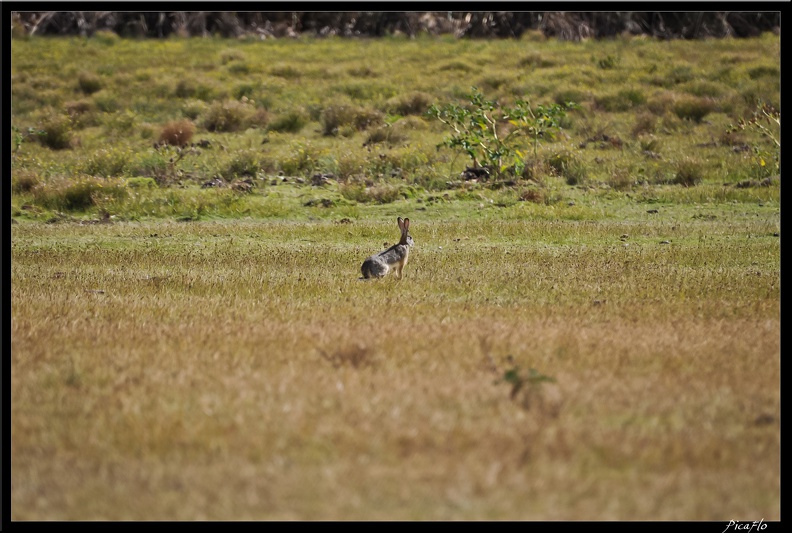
x: 394, y: 258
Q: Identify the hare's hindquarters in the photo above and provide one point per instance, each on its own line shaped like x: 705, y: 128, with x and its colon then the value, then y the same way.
x: 372, y: 268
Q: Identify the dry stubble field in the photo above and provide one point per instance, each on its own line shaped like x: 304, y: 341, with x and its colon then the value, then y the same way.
x: 240, y: 370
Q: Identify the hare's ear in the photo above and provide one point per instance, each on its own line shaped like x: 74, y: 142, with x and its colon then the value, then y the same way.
x: 400, y: 222
x: 406, y: 224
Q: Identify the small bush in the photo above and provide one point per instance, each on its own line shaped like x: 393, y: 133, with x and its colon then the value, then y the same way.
x: 608, y: 62
x: 243, y: 163
x: 569, y: 95
x: 226, y: 116
x: 56, y: 131
x: 106, y: 102
x: 231, y: 54
x: 78, y: 194
x: 688, y: 173
x: 334, y: 116
x: 185, y: 88
x: 303, y: 159
x: 392, y: 134
x: 24, y: 182
x: 151, y: 164
x: 764, y: 70
x: 565, y: 164
x: 106, y: 163
x: 89, y: 83
x: 122, y: 122
x: 536, y: 60
x: 380, y: 193
x: 239, y: 68
x: 285, y: 71
x: 644, y: 123
x: 141, y: 183
x: 193, y: 108
x: 661, y: 103
x: 177, y: 133
x: 531, y: 194
x: 106, y: 37
x: 622, y: 101
x: 692, y: 108
x: 290, y: 122
x: 413, y: 103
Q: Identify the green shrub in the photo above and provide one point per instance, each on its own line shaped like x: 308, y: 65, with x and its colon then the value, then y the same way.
x: 105, y: 163
x: 226, y: 116
x: 141, y: 183
x: 24, y: 181
x: 568, y: 166
x: 243, y: 163
x: 89, y: 83
x: 608, y: 62
x: 536, y: 60
x: 106, y: 37
x: 692, y: 108
x: 335, y: 116
x: 185, y: 88
x: 106, y: 102
x: 624, y: 100
x: 569, y: 95
x: 413, y: 103
x: 285, y: 71
x: 392, y: 134
x: 247, y: 90
x: 291, y: 121
x: 305, y: 158
x: 762, y: 71
x: 239, y: 68
x: 644, y: 123
x: 192, y: 109
x: 689, y: 172
x: 231, y: 54
x: 56, y: 131
x: 152, y: 164
x: 78, y: 194
x: 81, y: 112
x: 122, y: 122
x: 380, y: 193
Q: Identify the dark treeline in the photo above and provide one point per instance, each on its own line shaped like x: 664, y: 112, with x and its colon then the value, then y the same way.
x: 483, y: 24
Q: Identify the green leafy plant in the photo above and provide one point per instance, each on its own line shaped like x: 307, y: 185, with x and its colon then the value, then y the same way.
x: 490, y: 133
x: 20, y: 136
x: 766, y: 120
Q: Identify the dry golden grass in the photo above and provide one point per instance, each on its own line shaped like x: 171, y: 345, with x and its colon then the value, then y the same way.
x: 240, y: 370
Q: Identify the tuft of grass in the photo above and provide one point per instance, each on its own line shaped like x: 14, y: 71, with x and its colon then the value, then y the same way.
x: 89, y: 83
x: 228, y: 116
x: 693, y: 108
x: 24, y: 182
x: 56, y: 131
x: 291, y: 121
x: 243, y: 163
x: 412, y: 103
x: 78, y: 194
x: 379, y: 193
x: 177, y: 133
x: 336, y: 116
x: 689, y: 172
x: 568, y: 166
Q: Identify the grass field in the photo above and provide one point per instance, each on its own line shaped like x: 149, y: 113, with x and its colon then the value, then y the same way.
x: 603, y: 350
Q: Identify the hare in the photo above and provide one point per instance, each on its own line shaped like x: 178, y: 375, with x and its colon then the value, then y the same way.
x: 395, y: 257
